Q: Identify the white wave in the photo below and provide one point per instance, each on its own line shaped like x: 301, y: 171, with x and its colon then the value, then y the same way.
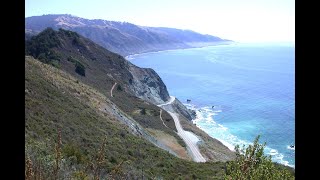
x: 273, y: 152
x: 205, y: 122
x: 277, y: 157
x: 230, y: 146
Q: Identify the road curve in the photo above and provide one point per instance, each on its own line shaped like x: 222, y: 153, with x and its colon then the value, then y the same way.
x: 113, y: 88
x: 170, y: 101
x: 197, y: 156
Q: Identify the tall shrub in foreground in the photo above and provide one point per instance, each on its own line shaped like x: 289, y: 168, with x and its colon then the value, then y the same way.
x: 251, y: 163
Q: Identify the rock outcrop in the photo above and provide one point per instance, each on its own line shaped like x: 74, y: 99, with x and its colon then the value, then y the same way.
x: 183, y: 110
x: 147, y: 85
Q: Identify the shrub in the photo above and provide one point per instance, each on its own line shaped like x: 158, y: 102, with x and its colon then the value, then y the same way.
x: 80, y: 69
x: 143, y: 111
x: 113, y: 160
x: 119, y: 88
x: 71, y: 59
x: 70, y: 150
x: 251, y: 163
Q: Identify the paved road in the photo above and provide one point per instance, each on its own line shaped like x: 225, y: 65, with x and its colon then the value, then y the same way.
x: 197, y: 156
x: 172, y: 98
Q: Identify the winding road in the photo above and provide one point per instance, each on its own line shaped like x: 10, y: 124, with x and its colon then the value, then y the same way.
x: 197, y: 156
x: 113, y: 88
x: 170, y: 101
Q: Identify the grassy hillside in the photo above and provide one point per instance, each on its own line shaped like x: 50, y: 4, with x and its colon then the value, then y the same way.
x: 57, y: 101
x: 94, y: 65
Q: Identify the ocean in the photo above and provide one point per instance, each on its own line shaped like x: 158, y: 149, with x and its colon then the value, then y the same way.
x: 239, y: 91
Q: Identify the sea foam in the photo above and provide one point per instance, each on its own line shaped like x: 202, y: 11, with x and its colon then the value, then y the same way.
x: 205, y: 122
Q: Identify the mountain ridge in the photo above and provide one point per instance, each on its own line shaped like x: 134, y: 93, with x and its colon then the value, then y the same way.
x: 122, y: 37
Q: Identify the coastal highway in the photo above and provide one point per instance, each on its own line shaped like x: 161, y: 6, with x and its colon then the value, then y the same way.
x: 197, y: 157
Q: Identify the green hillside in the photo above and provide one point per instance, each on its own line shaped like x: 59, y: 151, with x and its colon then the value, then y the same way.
x: 57, y: 101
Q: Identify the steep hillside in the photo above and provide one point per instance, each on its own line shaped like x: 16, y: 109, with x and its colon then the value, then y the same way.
x: 72, y: 131
x: 122, y: 37
x: 95, y: 65
x: 134, y: 92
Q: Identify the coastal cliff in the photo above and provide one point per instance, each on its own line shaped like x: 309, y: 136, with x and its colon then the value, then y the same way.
x: 122, y: 37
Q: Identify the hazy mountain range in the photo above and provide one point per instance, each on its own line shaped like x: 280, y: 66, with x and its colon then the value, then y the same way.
x: 122, y: 37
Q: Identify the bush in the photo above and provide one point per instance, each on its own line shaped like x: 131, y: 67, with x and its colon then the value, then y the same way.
x: 70, y: 150
x: 71, y: 59
x: 80, y: 69
x: 119, y: 88
x: 251, y: 163
x: 40, y: 47
x: 113, y: 160
x: 143, y: 111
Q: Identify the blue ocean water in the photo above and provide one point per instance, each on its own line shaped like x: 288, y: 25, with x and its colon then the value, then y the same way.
x: 238, y: 91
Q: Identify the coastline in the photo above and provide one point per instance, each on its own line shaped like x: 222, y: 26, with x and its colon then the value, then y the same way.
x: 268, y: 150
x: 278, y: 155
x: 231, y: 147
x: 131, y: 56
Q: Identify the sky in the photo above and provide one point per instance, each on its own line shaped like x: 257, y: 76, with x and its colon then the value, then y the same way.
x: 238, y: 20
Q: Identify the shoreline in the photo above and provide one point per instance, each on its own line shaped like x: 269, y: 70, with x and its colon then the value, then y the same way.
x: 130, y: 56
x: 277, y: 159
x: 231, y: 147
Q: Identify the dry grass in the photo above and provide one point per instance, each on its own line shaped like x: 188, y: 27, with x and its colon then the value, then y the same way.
x: 62, y: 101
x: 170, y: 142
x: 29, y: 169
x: 58, y: 155
x: 100, y: 160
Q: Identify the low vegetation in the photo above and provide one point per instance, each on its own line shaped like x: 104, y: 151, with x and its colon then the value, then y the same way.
x: 80, y: 69
x: 251, y: 163
x: 146, y: 114
x: 62, y: 127
x: 69, y: 136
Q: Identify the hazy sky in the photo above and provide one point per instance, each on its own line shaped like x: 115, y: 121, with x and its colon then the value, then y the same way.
x: 238, y: 20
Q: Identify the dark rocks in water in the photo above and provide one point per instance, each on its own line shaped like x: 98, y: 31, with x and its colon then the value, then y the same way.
x: 292, y: 146
x: 193, y: 113
x: 212, y: 107
x: 188, y: 100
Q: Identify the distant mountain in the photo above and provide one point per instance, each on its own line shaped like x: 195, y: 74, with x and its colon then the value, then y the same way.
x: 122, y: 37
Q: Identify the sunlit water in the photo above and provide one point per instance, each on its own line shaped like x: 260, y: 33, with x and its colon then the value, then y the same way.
x: 237, y: 90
